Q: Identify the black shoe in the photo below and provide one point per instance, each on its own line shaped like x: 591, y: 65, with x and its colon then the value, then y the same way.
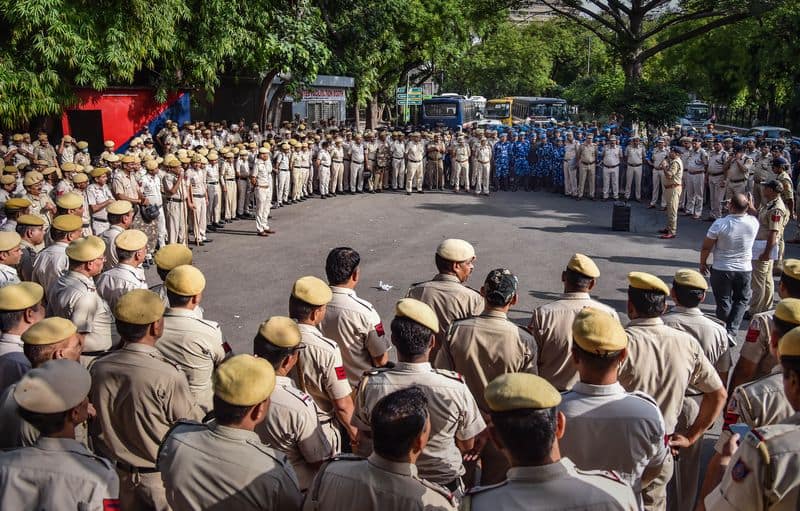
x: 220, y: 225
x: 211, y: 227
x: 323, y: 197
x: 408, y: 193
x: 208, y: 241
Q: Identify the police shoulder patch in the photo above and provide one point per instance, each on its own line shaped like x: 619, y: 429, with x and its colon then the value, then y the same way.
x: 740, y: 471
x: 453, y: 375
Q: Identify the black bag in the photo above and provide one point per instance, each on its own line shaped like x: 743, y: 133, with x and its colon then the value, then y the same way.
x: 149, y: 213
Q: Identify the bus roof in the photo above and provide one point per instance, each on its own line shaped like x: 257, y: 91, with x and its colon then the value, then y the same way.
x: 444, y: 98
x: 537, y: 99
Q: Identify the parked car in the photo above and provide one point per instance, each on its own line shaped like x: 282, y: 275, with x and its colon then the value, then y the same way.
x: 770, y: 133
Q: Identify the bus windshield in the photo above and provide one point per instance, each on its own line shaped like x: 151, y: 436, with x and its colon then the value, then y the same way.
x: 498, y: 110
x: 697, y: 112
x: 555, y: 110
x: 441, y: 109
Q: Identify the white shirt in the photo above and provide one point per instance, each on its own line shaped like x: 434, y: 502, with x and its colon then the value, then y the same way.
x: 735, y: 235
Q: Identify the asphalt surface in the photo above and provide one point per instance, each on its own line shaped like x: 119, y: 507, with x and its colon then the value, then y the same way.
x: 531, y: 233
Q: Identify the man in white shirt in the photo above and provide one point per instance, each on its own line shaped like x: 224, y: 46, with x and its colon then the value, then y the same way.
x: 730, y: 240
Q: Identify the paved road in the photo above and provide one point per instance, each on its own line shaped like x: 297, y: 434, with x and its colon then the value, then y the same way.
x: 533, y: 234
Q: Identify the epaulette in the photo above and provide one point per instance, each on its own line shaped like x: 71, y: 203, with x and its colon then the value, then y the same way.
x: 301, y: 396
x: 480, y: 489
x: 211, y: 324
x: 644, y: 395
x: 608, y: 474
x: 441, y: 490
x: 329, y: 342
x: 361, y: 302
x: 453, y: 375
x: 714, y: 319
x: 275, y: 454
x: 346, y: 457
x: 175, y: 425
x: 375, y: 371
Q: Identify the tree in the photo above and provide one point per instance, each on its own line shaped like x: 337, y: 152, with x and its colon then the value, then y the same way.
x: 636, y: 30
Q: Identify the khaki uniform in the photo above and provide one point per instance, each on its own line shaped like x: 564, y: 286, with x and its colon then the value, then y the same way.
x: 196, y: 182
x: 37, y: 207
x: 56, y: 473
x: 292, y: 427
x: 262, y: 171
x: 117, y: 281
x: 398, y: 151
x: 557, y: 486
x: 109, y: 236
x: 461, y: 155
x: 762, y: 171
x: 321, y: 373
x: 634, y: 158
x: 761, y: 402
x: 772, y: 216
x: 137, y: 383
x: 570, y: 168
x: 483, y: 167
x: 244, y: 190
x: 449, y: 299
x: 716, y: 181
x: 75, y: 297
x: 672, y: 179
x: 96, y: 194
x: 49, y: 265
x: 214, y: 193
x: 175, y: 208
x: 755, y: 347
x: 8, y: 275
x: 228, y: 176
x: 763, y: 473
x: 348, y: 483
x: 356, y: 167
x: 356, y: 327
x: 196, y: 346
x: 660, y: 163
x: 696, y: 162
x: 664, y: 362
x: 786, y: 195
x: 14, y: 431
x: 596, y: 414
x: 453, y: 414
x: 587, y: 163
x: 435, y: 154
x: 324, y: 172
x: 337, y: 168
x: 25, y: 266
x: 473, y: 351
x: 13, y: 362
x: 208, y: 466
x: 612, y: 157
x: 736, y: 176
x: 551, y: 326
x: 415, y: 151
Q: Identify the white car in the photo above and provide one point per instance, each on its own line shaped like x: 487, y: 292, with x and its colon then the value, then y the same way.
x: 770, y: 133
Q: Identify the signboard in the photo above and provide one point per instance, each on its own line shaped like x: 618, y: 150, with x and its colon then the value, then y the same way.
x: 413, y: 97
x: 324, y: 94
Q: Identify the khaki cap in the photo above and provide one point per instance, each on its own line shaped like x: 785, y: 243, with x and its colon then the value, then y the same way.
x: 17, y: 203
x: 69, y: 167
x: 86, y: 249
x: 646, y: 282
x: 263, y: 150
x: 131, y: 239
x: 516, y: 391
x: 33, y: 220
x: 32, y: 177
x: 55, y: 387
x: 83, y: 144
x: 788, y: 310
x: 690, y: 278
x: 49, y: 331
x: 129, y: 158
x: 70, y: 200
x: 17, y: 297
x: 418, y: 311
x: 80, y: 178
x: 151, y: 164
x: 99, y: 171
x: 185, y: 280
x: 173, y: 255
x: 244, y: 380
x: 108, y: 143
x: 68, y: 223
x: 789, y: 345
x: 584, y: 265
x: 49, y: 170
x: 312, y: 290
x: 120, y: 207
x: 598, y: 332
x: 173, y: 163
x: 9, y: 240
x: 112, y: 158
x: 791, y: 268
x: 139, y: 307
x: 10, y: 169
x: 280, y: 331
x: 455, y: 250
x: 7, y: 179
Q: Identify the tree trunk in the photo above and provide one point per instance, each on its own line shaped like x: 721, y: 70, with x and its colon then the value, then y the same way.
x: 263, y: 99
x: 373, y: 113
x: 632, y: 66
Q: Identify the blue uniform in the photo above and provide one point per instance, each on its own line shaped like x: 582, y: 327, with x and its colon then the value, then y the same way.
x: 520, y: 154
x: 502, y: 159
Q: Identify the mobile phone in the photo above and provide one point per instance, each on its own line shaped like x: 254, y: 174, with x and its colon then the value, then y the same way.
x: 740, y: 429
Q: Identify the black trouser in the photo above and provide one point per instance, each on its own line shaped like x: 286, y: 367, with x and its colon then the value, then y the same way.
x: 732, y: 293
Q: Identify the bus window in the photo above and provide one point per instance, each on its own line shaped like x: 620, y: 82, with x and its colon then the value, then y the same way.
x: 441, y: 109
x: 498, y: 110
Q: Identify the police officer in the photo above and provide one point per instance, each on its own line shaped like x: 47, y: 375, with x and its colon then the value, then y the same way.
x: 223, y: 463
x: 634, y: 158
x: 598, y: 408
x: 587, y: 161
x: 20, y: 308
x: 472, y: 350
x: 551, y: 323
x: 483, y: 160
x: 672, y: 179
x: 168, y: 258
x: 31, y: 231
x: 446, y: 293
x: 57, y: 468
x: 717, y: 160
x: 124, y: 383
x: 772, y: 218
x: 696, y: 164
x: 196, y: 182
x: 357, y: 157
x: 352, y: 321
x: 320, y: 371
x: 663, y: 362
x: 52, y: 261
x: 524, y: 406
x: 457, y: 427
x: 401, y: 427
x: 262, y: 181
x: 415, y: 152
x: 189, y: 341
x: 128, y: 274
x: 98, y: 198
x: 612, y: 158
x: 291, y: 426
x: 460, y: 160
x: 10, y: 255
x: 120, y: 218
x: 763, y: 473
x: 658, y: 162
x: 398, y: 151
x: 337, y: 166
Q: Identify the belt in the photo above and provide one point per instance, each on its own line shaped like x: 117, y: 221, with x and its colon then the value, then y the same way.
x: 337, y: 161
x: 693, y: 394
x: 175, y: 200
x: 198, y: 196
x: 94, y: 353
x: 672, y: 186
x: 354, y: 161
x: 697, y: 172
x: 461, y: 161
x: 126, y: 467
x: 397, y: 157
x: 264, y: 186
x: 610, y: 166
x: 414, y: 161
x: 325, y: 166
x: 587, y: 162
x: 86, y: 225
x: 283, y: 170
x: 300, y: 167
x: 98, y: 219
x: 634, y: 165
x: 717, y: 174
x: 737, y: 180
x: 487, y: 161
x: 230, y: 179
x: 243, y: 178
x: 213, y: 183
x: 433, y: 159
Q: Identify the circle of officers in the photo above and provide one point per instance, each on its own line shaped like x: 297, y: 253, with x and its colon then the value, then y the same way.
x: 116, y: 396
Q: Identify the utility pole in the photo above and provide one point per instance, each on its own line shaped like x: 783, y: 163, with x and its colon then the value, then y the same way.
x: 589, y: 56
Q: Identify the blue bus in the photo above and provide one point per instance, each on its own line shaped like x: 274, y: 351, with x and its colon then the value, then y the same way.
x: 451, y: 111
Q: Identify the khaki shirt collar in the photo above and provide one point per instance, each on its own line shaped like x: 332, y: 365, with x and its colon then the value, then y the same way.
x: 646, y: 322
x: 139, y: 347
x: 60, y: 444
x: 396, y: 467
x: 558, y: 470
x: 343, y: 290
x: 311, y: 329
x: 234, y: 433
x: 495, y: 314
x: 179, y: 311
x: 422, y: 367
x: 447, y: 277
x: 80, y: 277
x: 284, y: 381
x: 598, y: 390
x: 691, y: 311
x: 578, y: 295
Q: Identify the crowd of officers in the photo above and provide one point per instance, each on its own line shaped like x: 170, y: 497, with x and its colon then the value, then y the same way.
x: 116, y: 396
